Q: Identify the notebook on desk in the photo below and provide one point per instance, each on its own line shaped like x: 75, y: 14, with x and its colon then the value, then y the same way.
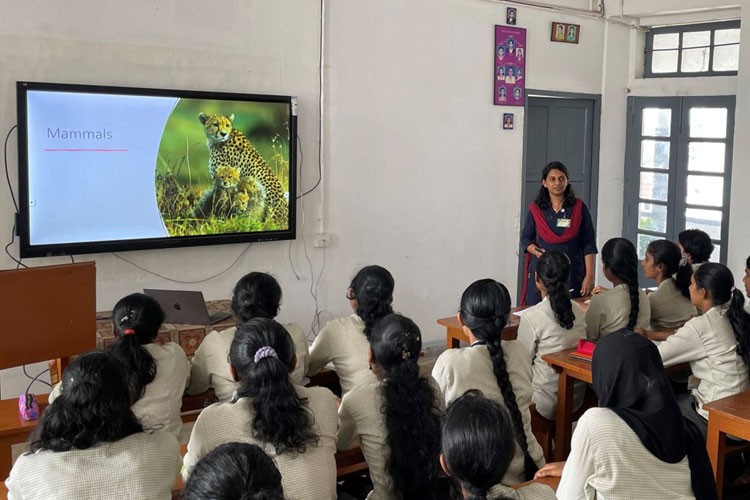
x: 183, y: 306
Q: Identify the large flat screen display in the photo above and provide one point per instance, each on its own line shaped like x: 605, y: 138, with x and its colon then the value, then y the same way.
x: 110, y: 169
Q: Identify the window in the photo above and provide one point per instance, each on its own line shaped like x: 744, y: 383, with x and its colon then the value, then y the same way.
x: 693, y: 50
x: 678, y: 169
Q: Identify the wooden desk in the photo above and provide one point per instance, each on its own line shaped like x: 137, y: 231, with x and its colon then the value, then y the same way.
x: 14, y: 430
x: 726, y: 416
x: 551, y: 481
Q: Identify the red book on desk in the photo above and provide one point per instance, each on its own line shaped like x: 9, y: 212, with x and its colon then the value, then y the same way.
x: 584, y: 350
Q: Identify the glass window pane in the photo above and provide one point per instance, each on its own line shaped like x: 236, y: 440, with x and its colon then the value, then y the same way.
x: 724, y: 36
x: 654, y: 186
x: 696, y: 39
x: 708, y: 122
x: 652, y: 217
x: 654, y: 154
x: 664, y: 61
x: 694, y: 60
x: 705, y: 190
x: 715, y: 255
x: 706, y: 156
x: 643, y: 241
x: 668, y: 41
x: 705, y: 220
x: 727, y: 58
x: 657, y: 122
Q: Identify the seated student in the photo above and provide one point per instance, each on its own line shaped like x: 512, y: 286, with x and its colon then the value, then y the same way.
x: 637, y: 443
x: 554, y: 324
x: 746, y: 278
x: 234, y: 471
x: 89, y: 445
x: 477, y: 447
x: 716, y: 343
x: 396, y: 418
x: 345, y: 341
x: 295, y: 425
x: 625, y: 305
x: 256, y: 295
x: 669, y: 308
x: 158, y: 373
x: 500, y: 369
x: 696, y: 247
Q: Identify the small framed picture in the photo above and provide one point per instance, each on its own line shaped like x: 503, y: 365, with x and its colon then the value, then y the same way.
x: 510, y: 16
x: 507, y: 121
x: 565, y: 33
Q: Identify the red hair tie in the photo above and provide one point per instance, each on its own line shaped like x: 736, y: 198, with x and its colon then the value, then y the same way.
x: 128, y: 331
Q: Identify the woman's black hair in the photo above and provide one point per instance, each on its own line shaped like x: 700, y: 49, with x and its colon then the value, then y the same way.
x: 553, y: 270
x: 665, y: 253
x: 261, y: 354
x: 411, y: 409
x: 619, y: 255
x: 542, y: 198
x: 234, y: 471
x: 136, y: 320
x: 718, y: 280
x: 256, y: 295
x: 477, y: 443
x: 372, y: 288
x: 485, y: 307
x: 93, y: 407
x: 698, y: 244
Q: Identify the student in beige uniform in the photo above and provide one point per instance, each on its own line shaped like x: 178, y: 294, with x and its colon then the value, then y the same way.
x: 157, y: 373
x: 256, y: 295
x: 477, y: 447
x: 554, y: 324
x: 696, y: 247
x: 637, y: 443
x: 345, y: 341
x: 716, y: 343
x: 89, y: 445
x: 499, y: 369
x: 669, y: 308
x: 397, y: 419
x: 234, y: 471
x: 296, y: 426
x: 625, y: 305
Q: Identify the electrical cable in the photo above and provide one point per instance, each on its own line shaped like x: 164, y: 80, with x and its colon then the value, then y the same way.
x: 18, y: 262
x: 35, y: 379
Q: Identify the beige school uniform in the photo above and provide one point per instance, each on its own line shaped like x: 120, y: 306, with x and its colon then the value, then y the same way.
x: 210, y: 364
x: 458, y: 370
x: 142, y: 466
x: 541, y: 333
x: 608, y: 461
x: 610, y: 310
x: 707, y: 342
x: 669, y: 308
x: 530, y: 492
x: 307, y: 475
x: 343, y: 342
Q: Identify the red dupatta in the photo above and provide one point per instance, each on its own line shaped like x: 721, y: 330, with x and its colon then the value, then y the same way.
x: 546, y: 233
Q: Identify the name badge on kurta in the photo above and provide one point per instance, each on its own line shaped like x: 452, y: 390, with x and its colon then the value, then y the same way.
x: 563, y: 222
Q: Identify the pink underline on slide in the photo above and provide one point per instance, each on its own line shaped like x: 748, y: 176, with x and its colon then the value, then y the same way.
x: 80, y: 150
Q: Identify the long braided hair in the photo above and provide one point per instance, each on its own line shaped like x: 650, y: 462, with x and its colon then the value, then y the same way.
x: 485, y: 307
x: 372, y: 287
x: 553, y: 270
x: 619, y: 255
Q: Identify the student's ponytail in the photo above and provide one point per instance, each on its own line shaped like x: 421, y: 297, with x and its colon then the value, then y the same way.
x: 136, y: 320
x: 553, y: 270
x: 485, y: 308
x: 718, y: 280
x: 262, y: 353
x: 372, y: 288
x: 620, y: 256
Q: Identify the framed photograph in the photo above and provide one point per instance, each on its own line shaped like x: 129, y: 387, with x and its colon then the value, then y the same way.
x: 565, y: 33
x: 507, y: 121
x: 509, y: 76
x: 510, y: 16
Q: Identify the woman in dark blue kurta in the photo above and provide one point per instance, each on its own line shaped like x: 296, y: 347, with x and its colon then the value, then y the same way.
x: 556, y: 203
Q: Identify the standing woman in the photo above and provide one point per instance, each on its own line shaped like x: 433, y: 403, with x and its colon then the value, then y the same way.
x: 557, y: 220
x: 89, y: 445
x: 696, y: 247
x: 500, y: 369
x: 396, y: 418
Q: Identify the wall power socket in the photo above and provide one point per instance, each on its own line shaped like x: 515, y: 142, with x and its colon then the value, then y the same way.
x: 321, y: 240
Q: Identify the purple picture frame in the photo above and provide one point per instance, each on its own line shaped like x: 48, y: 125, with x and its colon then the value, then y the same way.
x: 509, y: 76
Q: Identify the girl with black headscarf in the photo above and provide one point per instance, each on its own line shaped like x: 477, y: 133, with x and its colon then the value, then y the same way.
x: 637, y: 443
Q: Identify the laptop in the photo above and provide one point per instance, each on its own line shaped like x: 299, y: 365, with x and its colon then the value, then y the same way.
x: 182, y: 306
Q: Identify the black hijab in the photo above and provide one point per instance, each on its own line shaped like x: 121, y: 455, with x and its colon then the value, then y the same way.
x: 630, y: 380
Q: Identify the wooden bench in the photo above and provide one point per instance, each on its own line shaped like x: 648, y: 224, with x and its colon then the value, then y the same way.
x: 727, y: 416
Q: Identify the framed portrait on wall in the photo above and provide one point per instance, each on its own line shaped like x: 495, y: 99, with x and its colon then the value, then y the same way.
x: 509, y: 76
x: 565, y: 33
